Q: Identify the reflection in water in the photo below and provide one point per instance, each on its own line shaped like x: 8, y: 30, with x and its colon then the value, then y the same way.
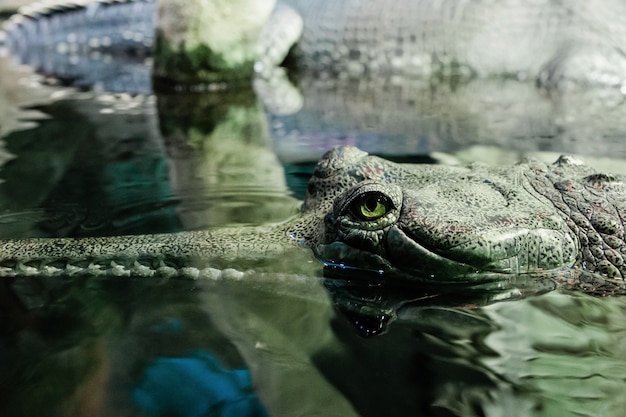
x: 568, y: 348
x: 221, y: 161
x: 84, y: 348
x: 409, y: 116
x: 109, y: 165
x: 92, y: 166
x: 94, y: 347
x: 195, y: 385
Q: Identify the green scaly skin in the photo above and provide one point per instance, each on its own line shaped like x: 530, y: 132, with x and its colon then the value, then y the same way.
x: 423, y: 223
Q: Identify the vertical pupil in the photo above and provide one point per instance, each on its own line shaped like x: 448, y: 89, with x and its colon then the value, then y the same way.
x: 371, y: 203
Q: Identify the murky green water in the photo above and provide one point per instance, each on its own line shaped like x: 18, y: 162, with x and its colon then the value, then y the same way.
x: 273, y: 344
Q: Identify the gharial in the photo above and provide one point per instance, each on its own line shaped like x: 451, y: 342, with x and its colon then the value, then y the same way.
x: 550, y: 41
x: 427, y: 75
x: 428, y: 224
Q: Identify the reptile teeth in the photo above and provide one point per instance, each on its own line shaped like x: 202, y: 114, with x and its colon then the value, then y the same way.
x: 95, y: 269
x: 142, y: 270
x: 232, y: 274
x: 27, y: 270
x: 73, y: 269
x: 118, y: 270
x: 190, y: 272
x: 210, y: 273
x: 48, y: 270
x: 12, y: 268
x: 7, y: 272
x: 166, y: 271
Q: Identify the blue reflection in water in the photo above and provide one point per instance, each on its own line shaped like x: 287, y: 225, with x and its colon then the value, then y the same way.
x: 196, y: 386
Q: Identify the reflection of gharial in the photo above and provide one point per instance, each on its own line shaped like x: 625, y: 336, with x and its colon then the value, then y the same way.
x: 425, y: 223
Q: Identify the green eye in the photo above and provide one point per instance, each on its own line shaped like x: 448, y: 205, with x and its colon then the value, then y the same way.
x: 370, y: 206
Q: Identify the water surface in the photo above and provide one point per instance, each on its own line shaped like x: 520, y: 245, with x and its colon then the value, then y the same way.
x: 276, y: 344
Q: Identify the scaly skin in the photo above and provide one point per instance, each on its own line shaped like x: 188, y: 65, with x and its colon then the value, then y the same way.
x: 552, y: 42
x: 424, y: 223
x: 548, y: 41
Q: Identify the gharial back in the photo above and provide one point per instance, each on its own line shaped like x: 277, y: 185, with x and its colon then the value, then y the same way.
x: 100, y: 44
x: 549, y: 41
x: 515, y: 37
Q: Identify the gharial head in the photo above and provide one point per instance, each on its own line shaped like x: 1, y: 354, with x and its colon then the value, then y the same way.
x: 430, y: 223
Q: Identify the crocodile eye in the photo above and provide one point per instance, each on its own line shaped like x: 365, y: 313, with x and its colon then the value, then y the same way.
x: 370, y: 206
